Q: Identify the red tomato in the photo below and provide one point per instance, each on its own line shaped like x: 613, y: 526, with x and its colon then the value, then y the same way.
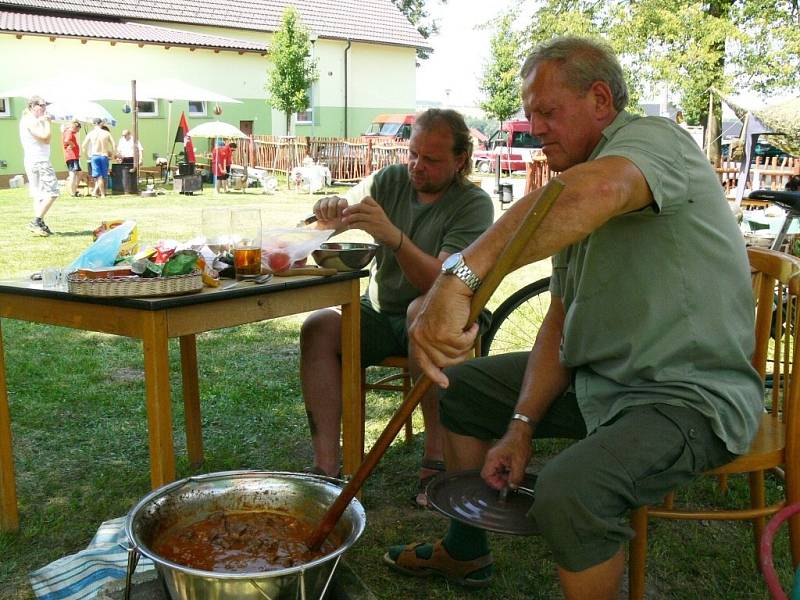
x: 278, y: 261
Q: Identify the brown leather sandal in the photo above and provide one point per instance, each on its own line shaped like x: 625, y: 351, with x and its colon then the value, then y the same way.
x: 440, y: 564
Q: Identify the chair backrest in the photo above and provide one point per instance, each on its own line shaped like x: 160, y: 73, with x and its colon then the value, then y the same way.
x: 776, y: 288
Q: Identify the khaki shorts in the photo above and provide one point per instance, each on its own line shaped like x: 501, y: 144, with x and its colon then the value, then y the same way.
x: 42, y: 180
x: 583, y: 494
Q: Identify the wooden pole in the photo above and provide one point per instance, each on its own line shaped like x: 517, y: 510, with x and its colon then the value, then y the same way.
x: 136, y: 157
x: 506, y: 260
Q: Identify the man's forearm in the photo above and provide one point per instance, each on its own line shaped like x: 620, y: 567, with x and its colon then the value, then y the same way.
x: 40, y: 129
x: 591, y: 197
x: 421, y: 269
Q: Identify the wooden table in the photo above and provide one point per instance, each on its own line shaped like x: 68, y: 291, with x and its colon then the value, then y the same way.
x: 154, y: 321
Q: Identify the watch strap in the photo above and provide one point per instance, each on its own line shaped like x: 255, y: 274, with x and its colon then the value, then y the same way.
x: 464, y: 273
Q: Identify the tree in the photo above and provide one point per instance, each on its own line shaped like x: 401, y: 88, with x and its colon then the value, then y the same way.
x: 415, y: 12
x: 686, y: 44
x: 486, y: 126
x: 293, y: 70
x: 500, y: 81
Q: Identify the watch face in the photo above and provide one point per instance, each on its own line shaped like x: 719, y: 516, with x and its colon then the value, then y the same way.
x: 451, y: 261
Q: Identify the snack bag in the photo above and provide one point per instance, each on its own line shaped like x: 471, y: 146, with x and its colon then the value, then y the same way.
x: 181, y: 262
x: 103, y: 252
x: 129, y: 246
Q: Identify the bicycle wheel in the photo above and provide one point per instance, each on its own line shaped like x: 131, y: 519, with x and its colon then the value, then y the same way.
x: 516, y: 321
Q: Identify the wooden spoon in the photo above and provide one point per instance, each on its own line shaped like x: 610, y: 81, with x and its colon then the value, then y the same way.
x: 513, y: 249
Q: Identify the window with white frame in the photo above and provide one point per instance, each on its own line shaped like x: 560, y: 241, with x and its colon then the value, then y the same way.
x: 5, y: 107
x: 147, y: 108
x: 307, y: 116
x: 197, y: 108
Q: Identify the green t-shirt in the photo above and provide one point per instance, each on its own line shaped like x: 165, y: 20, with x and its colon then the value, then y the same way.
x: 659, y: 307
x: 450, y: 224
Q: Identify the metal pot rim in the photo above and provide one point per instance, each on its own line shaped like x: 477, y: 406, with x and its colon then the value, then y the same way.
x: 355, y: 505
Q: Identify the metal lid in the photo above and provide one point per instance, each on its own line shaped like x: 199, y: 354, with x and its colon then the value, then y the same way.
x: 466, y: 497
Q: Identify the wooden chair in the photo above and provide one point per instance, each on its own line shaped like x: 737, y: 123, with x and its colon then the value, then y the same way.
x: 776, y: 447
x: 398, y: 381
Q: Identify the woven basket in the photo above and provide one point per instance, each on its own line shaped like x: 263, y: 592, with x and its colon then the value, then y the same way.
x: 142, y: 286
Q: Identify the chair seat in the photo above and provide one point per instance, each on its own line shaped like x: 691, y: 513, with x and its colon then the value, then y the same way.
x: 398, y: 362
x: 766, y: 450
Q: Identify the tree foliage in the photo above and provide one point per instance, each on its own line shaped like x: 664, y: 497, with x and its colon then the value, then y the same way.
x: 501, y: 83
x: 293, y: 71
x: 733, y: 45
x: 415, y: 12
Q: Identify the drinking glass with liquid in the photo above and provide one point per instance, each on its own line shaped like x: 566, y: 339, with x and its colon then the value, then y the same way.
x: 246, y: 233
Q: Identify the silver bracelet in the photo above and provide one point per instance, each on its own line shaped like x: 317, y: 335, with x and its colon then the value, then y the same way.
x: 524, y: 419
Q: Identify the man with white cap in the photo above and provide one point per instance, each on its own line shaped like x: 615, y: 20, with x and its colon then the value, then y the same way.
x: 34, y: 134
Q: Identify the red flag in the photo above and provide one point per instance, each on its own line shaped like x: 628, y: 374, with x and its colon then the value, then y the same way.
x: 181, y: 137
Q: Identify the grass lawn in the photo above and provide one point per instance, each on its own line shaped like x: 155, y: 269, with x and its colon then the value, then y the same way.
x: 80, y: 438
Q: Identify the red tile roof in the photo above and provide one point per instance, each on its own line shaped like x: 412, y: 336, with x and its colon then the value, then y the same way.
x: 115, y: 30
x: 377, y: 21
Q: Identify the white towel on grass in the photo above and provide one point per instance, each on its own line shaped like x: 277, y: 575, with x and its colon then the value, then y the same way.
x: 81, y: 575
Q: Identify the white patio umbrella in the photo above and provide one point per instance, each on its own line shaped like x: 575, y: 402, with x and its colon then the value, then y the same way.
x: 216, y: 129
x: 85, y: 111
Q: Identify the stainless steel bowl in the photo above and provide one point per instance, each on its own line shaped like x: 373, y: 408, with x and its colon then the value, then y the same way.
x: 344, y: 256
x: 193, y: 499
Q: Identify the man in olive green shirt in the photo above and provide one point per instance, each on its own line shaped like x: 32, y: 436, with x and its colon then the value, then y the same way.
x: 644, y: 354
x: 419, y: 214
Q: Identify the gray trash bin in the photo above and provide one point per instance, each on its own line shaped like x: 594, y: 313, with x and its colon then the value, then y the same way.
x: 506, y: 193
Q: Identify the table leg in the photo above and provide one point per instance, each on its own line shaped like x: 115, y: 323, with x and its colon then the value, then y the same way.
x: 352, y: 411
x: 191, y: 400
x: 159, y: 402
x: 9, y: 513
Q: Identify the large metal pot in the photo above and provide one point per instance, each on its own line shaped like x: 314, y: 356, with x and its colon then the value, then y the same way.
x: 192, y: 499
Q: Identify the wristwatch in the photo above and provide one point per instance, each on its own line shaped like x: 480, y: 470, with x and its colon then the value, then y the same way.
x: 455, y: 265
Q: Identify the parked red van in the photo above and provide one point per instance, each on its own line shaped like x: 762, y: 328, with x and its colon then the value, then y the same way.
x: 515, y: 145
x: 391, y: 126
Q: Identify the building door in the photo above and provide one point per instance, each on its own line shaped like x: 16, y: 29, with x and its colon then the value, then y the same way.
x: 248, y: 148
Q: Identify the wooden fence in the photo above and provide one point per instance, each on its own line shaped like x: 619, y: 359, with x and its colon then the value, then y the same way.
x: 349, y: 160
x: 352, y: 159
x: 772, y: 174
x: 537, y: 173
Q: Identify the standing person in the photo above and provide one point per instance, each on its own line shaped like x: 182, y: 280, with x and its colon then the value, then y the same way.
x: 230, y: 147
x: 220, y: 166
x: 420, y: 214
x: 34, y: 134
x: 99, y: 146
x: 125, y: 149
x: 72, y: 155
x: 635, y: 359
